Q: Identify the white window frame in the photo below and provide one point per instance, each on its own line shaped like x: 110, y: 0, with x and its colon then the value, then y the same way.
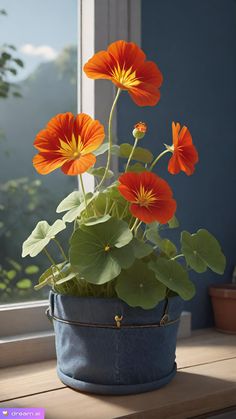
x: 26, y: 335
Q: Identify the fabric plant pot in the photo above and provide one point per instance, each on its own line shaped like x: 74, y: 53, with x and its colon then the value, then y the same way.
x: 106, y: 347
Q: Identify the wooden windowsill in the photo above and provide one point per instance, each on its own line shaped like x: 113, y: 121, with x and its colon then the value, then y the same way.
x: 205, y: 382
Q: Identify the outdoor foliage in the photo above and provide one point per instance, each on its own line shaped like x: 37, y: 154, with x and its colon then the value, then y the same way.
x: 117, y: 248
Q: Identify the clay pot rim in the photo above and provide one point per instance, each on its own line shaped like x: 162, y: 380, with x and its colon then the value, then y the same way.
x: 223, y: 290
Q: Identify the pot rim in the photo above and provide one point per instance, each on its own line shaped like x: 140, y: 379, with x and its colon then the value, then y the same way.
x: 227, y: 290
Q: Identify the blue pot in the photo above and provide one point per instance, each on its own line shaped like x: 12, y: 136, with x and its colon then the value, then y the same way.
x: 106, y: 347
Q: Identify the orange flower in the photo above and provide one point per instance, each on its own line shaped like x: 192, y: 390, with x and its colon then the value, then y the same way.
x: 185, y: 155
x: 150, y: 196
x: 68, y: 142
x: 124, y: 63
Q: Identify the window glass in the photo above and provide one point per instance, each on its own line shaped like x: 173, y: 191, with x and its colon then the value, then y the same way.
x: 38, y: 76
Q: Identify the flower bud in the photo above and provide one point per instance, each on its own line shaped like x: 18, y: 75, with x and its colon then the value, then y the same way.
x: 140, y: 130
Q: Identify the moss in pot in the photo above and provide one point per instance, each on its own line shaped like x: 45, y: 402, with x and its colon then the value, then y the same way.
x: 118, y: 287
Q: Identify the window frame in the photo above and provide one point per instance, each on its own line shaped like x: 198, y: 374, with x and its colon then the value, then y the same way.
x: 26, y: 335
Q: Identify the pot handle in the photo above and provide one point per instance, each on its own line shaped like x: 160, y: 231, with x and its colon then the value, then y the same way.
x: 165, y: 318
x: 49, y: 311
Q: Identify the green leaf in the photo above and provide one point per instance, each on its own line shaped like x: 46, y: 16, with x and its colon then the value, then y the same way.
x: 74, y: 205
x: 140, y: 154
x: 11, y: 274
x: 153, y: 236
x: 141, y: 249
x: 165, y: 245
x: 99, y: 252
x: 2, y: 286
x: 41, y: 236
x: 97, y: 220
x: 168, y: 247
x: 18, y: 62
x: 31, y: 269
x: 138, y: 286
x: 99, y: 172
x: 173, y: 223
x: 137, y: 167
x: 73, y: 200
x: 202, y: 250
x: 24, y: 284
x: 173, y: 276
x: 102, y: 149
x: 15, y: 264
x: 49, y: 276
x: 66, y: 274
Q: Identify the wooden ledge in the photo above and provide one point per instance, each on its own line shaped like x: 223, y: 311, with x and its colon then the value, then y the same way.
x: 205, y: 382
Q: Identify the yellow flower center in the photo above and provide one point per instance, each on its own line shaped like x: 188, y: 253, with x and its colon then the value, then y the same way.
x: 145, y: 197
x: 127, y: 78
x: 71, y: 149
x: 107, y: 248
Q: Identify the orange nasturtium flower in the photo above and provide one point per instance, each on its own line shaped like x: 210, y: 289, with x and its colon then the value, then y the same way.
x: 185, y: 155
x: 68, y: 142
x: 150, y: 196
x: 124, y: 63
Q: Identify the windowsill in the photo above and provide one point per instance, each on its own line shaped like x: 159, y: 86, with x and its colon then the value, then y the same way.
x: 205, y: 382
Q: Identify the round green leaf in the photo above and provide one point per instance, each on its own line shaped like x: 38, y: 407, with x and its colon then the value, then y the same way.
x: 138, y: 286
x: 97, y: 220
x: 173, y: 276
x: 11, y: 274
x: 41, y: 236
x: 31, y: 269
x: 202, y: 250
x: 99, y: 252
x: 73, y: 200
x: 24, y: 284
x: 100, y: 171
x: 141, y: 249
x: 140, y: 154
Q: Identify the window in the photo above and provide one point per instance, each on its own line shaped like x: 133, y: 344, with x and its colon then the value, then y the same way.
x: 39, y: 77
x: 99, y: 23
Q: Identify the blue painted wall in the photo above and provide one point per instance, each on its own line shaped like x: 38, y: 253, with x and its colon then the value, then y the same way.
x: 194, y: 44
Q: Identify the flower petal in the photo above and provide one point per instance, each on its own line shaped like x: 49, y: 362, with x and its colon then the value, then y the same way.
x: 149, y: 73
x: 79, y: 166
x: 127, y: 54
x: 99, y: 66
x: 145, y: 94
x: 45, y: 163
x: 142, y: 213
x: 91, y: 132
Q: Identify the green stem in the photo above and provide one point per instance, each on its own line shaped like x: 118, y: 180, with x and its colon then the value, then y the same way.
x: 137, y: 227
x: 109, y: 137
x: 61, y: 249
x: 177, y: 256
x: 111, y: 207
x: 158, y: 158
x: 83, y: 190
x: 135, y: 224
x: 49, y: 256
x: 131, y: 154
x: 125, y: 210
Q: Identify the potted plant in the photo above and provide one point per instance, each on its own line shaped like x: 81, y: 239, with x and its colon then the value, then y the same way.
x: 117, y: 294
x: 223, y: 298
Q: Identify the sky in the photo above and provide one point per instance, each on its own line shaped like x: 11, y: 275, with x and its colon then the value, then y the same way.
x: 39, y: 29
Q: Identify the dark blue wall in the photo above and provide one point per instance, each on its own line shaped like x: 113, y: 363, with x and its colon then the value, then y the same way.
x: 194, y: 44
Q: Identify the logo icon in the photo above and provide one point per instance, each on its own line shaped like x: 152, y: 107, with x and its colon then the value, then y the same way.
x: 5, y: 412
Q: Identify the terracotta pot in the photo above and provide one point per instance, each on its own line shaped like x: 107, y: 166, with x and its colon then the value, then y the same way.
x: 223, y: 299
